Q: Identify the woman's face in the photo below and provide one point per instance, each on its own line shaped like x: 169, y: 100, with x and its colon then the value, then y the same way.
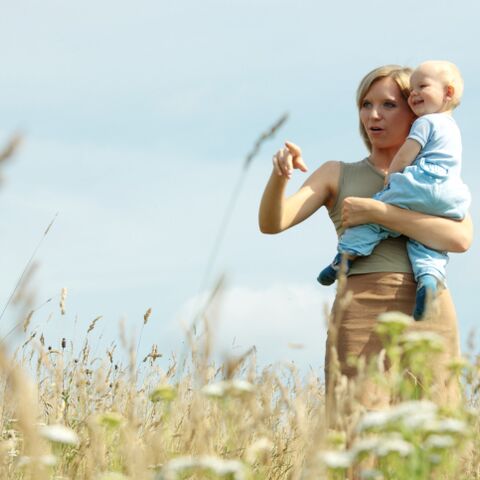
x: 385, y: 115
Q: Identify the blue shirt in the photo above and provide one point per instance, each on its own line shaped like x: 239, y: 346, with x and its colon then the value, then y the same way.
x: 441, y: 142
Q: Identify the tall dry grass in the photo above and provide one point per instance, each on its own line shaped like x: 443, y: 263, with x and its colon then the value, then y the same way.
x: 80, y: 416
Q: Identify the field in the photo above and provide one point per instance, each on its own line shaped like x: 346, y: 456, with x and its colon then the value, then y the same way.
x: 83, y: 417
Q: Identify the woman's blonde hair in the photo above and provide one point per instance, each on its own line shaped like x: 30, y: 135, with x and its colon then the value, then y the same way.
x: 400, y: 75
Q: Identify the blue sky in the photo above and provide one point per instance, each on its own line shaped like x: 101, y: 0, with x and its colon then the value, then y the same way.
x: 137, y: 117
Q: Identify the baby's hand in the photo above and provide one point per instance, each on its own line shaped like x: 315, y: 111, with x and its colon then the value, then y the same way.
x: 287, y: 159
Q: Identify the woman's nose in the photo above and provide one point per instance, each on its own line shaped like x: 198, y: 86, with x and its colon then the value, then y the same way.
x: 374, y: 112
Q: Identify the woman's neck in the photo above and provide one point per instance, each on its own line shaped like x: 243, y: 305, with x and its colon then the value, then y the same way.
x: 382, y: 158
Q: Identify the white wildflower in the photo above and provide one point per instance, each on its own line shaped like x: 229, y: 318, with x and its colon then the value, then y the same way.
x: 227, y: 387
x: 216, y: 390
x: 365, y: 445
x: 112, y: 476
x: 336, y: 459
x: 449, y: 425
x: 232, y: 468
x: 412, y: 414
x: 439, y: 441
x: 371, y: 474
x: 374, y: 420
x: 395, y: 318
x: 59, y: 434
x: 394, y: 445
x: 429, y: 340
x: 418, y: 421
x: 46, y: 460
x: 415, y: 407
x: 435, y: 458
x: 239, y: 387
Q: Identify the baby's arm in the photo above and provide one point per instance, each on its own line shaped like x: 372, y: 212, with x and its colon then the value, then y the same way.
x: 404, y: 157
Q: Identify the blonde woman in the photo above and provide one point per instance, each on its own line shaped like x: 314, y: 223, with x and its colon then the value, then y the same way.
x: 382, y: 281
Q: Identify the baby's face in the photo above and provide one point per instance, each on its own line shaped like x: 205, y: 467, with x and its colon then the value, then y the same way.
x: 429, y: 91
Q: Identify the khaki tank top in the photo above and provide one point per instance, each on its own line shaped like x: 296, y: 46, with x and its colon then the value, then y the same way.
x: 361, y: 179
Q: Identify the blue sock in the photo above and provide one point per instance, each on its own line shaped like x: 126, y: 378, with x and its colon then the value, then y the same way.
x: 427, y: 286
x: 329, y: 274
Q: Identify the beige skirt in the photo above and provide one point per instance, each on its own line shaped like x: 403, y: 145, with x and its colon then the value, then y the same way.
x: 352, y: 331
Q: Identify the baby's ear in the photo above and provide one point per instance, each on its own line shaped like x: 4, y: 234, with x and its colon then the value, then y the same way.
x: 449, y: 92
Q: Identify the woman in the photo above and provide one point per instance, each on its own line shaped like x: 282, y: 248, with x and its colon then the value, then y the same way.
x: 383, y: 281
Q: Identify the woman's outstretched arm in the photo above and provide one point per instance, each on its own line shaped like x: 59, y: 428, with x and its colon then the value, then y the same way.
x: 438, y: 233
x: 278, y: 212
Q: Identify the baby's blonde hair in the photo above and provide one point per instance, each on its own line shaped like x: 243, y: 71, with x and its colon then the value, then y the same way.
x: 451, y: 76
x: 400, y: 75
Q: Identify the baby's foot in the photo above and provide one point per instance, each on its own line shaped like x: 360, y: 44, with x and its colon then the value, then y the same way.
x: 329, y: 274
x: 427, y: 288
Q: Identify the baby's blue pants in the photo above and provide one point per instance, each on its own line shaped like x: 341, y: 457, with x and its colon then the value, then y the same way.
x: 423, y: 187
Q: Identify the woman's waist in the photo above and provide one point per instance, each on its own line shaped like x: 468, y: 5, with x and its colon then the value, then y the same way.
x: 390, y: 255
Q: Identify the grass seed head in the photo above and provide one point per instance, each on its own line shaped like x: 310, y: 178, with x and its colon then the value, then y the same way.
x: 63, y: 297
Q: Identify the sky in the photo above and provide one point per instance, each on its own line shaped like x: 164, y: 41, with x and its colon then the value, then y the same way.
x: 137, y: 117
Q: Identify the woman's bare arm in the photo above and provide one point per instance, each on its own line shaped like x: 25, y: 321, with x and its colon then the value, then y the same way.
x: 438, y: 233
x: 277, y: 212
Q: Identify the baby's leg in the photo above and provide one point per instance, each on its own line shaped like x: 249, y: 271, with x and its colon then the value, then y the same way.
x: 355, y: 242
x: 429, y: 269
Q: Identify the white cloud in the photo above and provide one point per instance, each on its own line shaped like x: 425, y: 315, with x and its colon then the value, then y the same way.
x: 285, y: 322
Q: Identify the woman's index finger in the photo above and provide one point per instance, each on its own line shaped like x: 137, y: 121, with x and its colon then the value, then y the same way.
x: 295, y: 150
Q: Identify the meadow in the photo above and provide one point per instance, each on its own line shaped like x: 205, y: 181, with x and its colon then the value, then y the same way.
x: 83, y: 416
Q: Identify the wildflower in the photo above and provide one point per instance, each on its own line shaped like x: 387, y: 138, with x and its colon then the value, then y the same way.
x: 228, y: 387
x: 423, y: 341
x: 412, y: 415
x: 439, y: 441
x: 224, y: 468
x: 415, y: 414
x: 448, y: 425
x: 164, y: 392
x: 393, y: 323
x: 336, y: 459
x: 365, y: 445
x: 239, y: 387
x: 371, y: 474
x: 459, y: 364
x: 59, y: 434
x: 415, y: 406
x: 45, y: 460
x: 112, y: 476
x: 215, y: 390
x: 394, y: 445
x: 418, y: 421
x: 110, y: 419
x: 336, y: 438
x: 374, y: 420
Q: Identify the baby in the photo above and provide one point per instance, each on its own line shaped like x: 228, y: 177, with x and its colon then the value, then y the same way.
x: 423, y: 176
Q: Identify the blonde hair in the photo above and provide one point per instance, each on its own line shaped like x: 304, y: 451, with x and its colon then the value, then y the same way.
x: 451, y: 76
x: 400, y: 75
